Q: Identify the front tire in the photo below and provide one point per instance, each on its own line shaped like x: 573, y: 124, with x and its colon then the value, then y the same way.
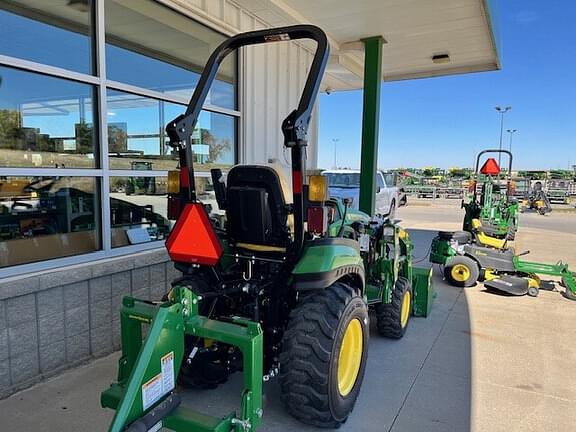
x: 462, y: 271
x: 323, y: 356
x: 392, y: 319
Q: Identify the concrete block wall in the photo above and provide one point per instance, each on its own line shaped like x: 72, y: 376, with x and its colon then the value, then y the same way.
x: 52, y: 321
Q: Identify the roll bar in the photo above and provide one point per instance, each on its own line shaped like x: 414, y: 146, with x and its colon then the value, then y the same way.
x: 495, y: 151
x: 509, y: 175
x: 294, y: 127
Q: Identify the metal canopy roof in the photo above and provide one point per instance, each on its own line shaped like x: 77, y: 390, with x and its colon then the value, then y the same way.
x: 414, y: 31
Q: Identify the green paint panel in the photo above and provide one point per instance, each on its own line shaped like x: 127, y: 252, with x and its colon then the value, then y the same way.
x: 323, y: 258
x: 424, y: 293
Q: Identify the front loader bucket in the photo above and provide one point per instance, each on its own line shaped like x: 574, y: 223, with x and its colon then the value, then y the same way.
x: 145, y: 397
x: 424, y: 293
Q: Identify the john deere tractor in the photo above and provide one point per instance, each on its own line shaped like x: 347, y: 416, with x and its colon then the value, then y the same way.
x: 280, y: 289
x: 494, y: 205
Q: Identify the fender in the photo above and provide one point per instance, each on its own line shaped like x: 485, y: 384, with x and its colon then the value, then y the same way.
x: 325, y: 261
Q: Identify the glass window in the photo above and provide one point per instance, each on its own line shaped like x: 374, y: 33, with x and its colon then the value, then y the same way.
x: 338, y: 179
x: 55, y: 32
x: 379, y: 181
x: 138, y: 210
x: 45, y: 122
x: 137, y: 140
x: 43, y: 218
x: 148, y: 45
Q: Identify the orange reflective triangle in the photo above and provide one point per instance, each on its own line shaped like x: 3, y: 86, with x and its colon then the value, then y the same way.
x: 490, y: 167
x: 193, y: 239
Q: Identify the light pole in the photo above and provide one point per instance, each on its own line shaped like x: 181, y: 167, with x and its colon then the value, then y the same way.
x: 511, y: 132
x: 502, y: 111
x: 335, y: 141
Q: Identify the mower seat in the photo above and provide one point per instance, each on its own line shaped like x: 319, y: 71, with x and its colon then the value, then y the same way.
x: 483, y: 237
x: 258, y: 208
x: 462, y: 237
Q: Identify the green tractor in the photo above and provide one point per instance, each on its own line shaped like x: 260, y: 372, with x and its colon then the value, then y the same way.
x: 281, y: 289
x: 495, y: 207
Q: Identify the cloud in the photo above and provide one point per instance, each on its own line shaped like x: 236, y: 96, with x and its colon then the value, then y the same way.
x: 526, y: 17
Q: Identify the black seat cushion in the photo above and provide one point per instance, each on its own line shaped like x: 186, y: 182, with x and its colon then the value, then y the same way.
x: 256, y: 210
x: 459, y: 236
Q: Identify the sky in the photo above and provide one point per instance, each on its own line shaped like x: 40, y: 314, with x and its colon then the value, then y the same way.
x: 445, y: 121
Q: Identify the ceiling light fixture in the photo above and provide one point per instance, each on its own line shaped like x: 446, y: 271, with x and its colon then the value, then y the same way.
x: 80, y: 5
x: 441, y: 58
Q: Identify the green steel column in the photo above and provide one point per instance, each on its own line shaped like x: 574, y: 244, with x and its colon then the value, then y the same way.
x: 370, y: 122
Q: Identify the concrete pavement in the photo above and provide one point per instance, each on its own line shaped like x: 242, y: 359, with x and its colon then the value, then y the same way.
x: 480, y: 362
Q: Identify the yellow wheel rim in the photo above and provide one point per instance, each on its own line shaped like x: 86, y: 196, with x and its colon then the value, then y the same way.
x: 350, y: 357
x: 405, y: 312
x: 460, y: 273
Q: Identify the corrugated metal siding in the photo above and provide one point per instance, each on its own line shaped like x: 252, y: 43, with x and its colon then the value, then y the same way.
x: 272, y: 77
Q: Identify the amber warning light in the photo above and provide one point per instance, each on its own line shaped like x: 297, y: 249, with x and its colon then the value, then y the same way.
x: 193, y: 239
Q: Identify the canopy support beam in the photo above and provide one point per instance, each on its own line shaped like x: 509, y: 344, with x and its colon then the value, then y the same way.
x: 370, y: 122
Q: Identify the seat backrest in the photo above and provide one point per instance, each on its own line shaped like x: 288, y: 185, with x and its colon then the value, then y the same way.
x: 485, y: 239
x: 257, y: 211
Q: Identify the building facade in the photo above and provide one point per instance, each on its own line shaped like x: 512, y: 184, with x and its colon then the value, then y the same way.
x: 86, y: 87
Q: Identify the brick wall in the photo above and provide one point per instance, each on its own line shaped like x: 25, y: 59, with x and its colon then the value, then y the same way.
x: 56, y: 320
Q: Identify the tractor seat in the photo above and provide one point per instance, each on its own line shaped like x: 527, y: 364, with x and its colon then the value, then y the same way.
x: 483, y: 236
x: 258, y: 209
x: 462, y: 237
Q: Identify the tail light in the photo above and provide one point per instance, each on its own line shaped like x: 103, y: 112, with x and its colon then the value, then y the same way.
x: 174, y: 207
x: 317, y: 220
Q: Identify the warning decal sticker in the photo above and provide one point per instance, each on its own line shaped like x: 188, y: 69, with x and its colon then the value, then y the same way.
x: 167, y: 363
x: 152, y: 391
x: 161, y: 384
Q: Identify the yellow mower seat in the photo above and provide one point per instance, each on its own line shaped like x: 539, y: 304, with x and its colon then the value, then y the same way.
x: 484, y: 239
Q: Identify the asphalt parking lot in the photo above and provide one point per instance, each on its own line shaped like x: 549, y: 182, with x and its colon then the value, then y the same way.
x: 480, y: 362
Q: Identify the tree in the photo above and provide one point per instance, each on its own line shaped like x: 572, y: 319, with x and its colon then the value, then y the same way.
x: 216, y: 147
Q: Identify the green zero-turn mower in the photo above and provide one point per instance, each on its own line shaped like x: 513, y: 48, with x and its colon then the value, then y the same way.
x: 495, y: 208
x: 281, y: 288
x: 466, y: 261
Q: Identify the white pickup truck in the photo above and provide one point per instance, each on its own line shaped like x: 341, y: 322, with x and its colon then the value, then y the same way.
x: 345, y: 183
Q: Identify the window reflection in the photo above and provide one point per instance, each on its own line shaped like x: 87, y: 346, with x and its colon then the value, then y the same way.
x: 148, y: 45
x: 45, y: 121
x: 137, y: 139
x: 54, y: 32
x: 138, y: 209
x: 47, y: 217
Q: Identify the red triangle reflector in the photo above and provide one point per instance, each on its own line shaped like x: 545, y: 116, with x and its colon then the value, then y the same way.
x: 193, y: 239
x: 490, y: 167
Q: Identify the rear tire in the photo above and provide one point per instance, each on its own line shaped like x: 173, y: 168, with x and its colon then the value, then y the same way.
x: 314, y: 388
x: 392, y: 319
x: 462, y: 271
